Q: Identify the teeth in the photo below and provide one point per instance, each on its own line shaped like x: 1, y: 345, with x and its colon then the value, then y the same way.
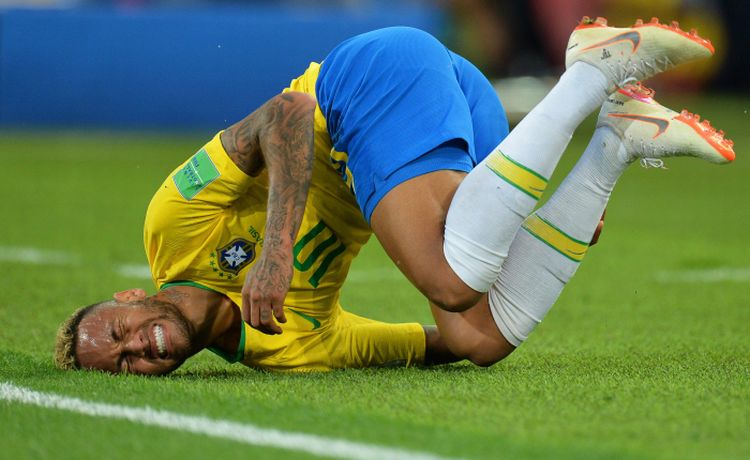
x: 161, y: 345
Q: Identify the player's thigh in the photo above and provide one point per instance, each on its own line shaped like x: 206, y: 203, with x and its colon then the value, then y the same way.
x: 409, y: 221
x: 473, y: 334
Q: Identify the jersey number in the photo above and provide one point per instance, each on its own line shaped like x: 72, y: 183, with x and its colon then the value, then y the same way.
x: 316, y: 244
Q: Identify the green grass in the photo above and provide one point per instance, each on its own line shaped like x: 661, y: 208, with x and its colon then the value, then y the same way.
x: 627, y: 364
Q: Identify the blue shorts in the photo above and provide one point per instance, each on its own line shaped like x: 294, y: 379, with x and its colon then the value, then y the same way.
x: 391, y: 97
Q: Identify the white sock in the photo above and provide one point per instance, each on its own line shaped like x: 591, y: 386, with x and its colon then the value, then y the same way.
x: 540, y: 139
x: 502, y: 190
x: 578, y: 204
x: 547, y: 252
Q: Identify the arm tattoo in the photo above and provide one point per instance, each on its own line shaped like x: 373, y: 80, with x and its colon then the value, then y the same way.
x: 290, y: 146
x: 279, y: 137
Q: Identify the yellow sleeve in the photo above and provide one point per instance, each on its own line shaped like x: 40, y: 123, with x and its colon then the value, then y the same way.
x: 190, y: 211
x: 347, y: 341
x: 205, y: 183
x: 363, y: 342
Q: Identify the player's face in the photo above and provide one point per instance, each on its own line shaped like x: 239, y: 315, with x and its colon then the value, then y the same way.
x: 134, y: 338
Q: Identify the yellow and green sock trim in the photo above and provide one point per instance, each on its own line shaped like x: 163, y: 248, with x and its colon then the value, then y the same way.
x: 517, y: 175
x: 555, y: 238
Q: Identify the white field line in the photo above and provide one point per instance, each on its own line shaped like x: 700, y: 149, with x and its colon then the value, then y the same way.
x: 225, y: 429
x: 710, y: 275
x: 139, y: 271
x: 36, y: 256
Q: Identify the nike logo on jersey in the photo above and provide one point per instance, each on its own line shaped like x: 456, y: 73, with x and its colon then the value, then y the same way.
x: 661, y: 124
x: 632, y: 36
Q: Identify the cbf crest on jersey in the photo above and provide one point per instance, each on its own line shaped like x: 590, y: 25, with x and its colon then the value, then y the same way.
x: 229, y: 259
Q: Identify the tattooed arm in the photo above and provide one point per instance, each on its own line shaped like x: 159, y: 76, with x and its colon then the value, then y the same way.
x: 279, y: 137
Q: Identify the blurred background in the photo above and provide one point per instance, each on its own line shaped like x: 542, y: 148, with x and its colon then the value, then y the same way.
x: 203, y: 64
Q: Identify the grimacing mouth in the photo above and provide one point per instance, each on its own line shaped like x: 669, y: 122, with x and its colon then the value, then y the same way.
x: 159, y: 342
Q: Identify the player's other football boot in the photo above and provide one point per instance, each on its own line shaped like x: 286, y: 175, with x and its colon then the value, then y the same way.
x: 651, y: 132
x: 628, y: 55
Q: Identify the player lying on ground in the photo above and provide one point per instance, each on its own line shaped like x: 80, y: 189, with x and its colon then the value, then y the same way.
x: 205, y: 227
x: 402, y: 120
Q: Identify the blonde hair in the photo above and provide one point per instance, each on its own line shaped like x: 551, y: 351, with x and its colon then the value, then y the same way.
x: 67, y: 336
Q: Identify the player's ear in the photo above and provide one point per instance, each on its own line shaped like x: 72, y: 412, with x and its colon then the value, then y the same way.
x: 130, y: 295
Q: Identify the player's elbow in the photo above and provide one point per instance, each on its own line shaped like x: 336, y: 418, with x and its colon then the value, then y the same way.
x: 302, y: 101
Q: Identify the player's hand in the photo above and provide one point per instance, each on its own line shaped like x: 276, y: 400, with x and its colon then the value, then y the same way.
x: 263, y: 293
x: 598, y: 231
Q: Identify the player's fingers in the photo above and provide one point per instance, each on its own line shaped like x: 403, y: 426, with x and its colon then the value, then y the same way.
x: 246, y: 309
x: 272, y: 329
x: 278, y: 312
x: 268, y: 325
x: 254, y: 314
x: 247, y: 314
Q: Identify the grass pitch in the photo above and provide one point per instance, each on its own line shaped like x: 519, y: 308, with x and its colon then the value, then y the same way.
x: 646, y: 354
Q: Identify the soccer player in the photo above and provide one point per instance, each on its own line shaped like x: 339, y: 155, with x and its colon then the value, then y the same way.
x: 406, y: 119
x: 398, y: 121
x: 205, y: 226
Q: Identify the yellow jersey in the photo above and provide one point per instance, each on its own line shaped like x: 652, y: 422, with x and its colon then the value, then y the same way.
x: 205, y: 225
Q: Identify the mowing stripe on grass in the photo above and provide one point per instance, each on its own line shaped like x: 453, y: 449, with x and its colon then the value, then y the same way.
x: 141, y: 271
x: 234, y: 431
x: 37, y: 256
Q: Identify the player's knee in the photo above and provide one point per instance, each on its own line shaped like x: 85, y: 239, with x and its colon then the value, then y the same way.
x: 481, y: 350
x: 488, y: 357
